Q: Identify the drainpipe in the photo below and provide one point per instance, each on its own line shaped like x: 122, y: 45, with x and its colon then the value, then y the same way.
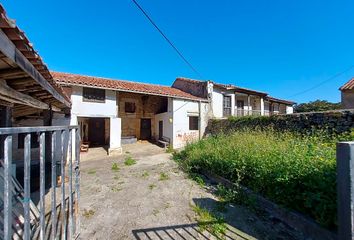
x: 200, y: 119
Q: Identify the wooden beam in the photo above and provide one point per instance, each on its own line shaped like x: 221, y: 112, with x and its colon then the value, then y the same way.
x: 6, y: 103
x: 10, y: 50
x: 26, y: 99
x: 10, y: 72
x: 13, y: 33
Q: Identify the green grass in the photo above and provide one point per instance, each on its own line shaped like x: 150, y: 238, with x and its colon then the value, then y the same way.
x: 210, y: 222
x: 115, y: 167
x: 92, y: 171
x: 295, y: 171
x: 198, y: 179
x: 145, y: 174
x: 164, y: 176
x: 170, y: 149
x: 152, y: 186
x: 129, y: 161
x: 116, y: 189
x: 88, y: 213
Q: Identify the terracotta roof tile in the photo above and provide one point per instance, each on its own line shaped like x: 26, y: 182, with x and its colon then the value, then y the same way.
x: 121, y: 85
x: 348, y: 85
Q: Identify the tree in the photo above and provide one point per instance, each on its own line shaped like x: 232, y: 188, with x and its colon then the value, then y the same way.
x: 316, y: 106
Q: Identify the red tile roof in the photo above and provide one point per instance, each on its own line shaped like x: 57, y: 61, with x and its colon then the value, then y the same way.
x: 348, y: 85
x: 278, y: 100
x: 121, y: 85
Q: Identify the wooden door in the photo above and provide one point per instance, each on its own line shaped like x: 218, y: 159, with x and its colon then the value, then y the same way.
x: 145, y: 129
x: 160, y: 129
x: 96, y: 131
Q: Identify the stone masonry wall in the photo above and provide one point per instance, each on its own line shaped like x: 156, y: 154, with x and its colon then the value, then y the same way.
x: 332, y: 122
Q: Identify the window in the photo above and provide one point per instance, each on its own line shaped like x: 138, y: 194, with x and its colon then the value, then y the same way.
x: 129, y: 107
x: 227, y: 106
x: 193, y: 123
x: 34, y: 140
x: 93, y: 95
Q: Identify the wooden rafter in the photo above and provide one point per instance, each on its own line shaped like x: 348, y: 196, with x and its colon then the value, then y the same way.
x: 9, y: 49
x: 18, y: 97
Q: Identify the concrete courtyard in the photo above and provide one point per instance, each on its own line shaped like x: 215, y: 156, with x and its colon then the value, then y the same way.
x: 154, y: 199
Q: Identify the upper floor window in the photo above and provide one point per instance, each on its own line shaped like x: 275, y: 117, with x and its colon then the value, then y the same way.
x: 227, y: 106
x: 93, y: 95
x: 129, y: 107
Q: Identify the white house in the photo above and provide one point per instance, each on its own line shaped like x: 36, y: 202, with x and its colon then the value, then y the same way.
x: 229, y: 100
x: 111, y: 111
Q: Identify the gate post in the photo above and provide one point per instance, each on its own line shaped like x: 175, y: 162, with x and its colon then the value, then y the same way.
x: 345, y: 190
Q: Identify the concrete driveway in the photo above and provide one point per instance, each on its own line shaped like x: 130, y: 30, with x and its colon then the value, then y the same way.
x: 153, y: 199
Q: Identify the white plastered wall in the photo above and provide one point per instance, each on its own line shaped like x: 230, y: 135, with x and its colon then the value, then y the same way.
x: 217, y: 102
x: 182, y: 109
x: 108, y: 109
x: 167, y: 120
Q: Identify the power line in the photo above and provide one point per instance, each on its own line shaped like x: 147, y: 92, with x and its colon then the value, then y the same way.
x: 166, y: 38
x: 321, y: 83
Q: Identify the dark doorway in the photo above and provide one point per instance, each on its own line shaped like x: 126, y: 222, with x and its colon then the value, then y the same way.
x: 160, y: 130
x: 96, y: 131
x: 145, y: 129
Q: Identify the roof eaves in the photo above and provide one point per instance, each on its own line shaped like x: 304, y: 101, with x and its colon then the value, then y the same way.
x: 65, y: 83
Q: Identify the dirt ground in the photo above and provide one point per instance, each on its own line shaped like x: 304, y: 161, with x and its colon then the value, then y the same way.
x: 153, y: 199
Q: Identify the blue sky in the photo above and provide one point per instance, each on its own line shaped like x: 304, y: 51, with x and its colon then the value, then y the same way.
x: 281, y: 47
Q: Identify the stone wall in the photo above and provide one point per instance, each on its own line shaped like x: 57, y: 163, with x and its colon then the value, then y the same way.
x: 146, y: 106
x: 348, y: 99
x: 196, y: 88
x: 333, y: 122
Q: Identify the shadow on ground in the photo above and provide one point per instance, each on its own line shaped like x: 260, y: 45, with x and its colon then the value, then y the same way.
x: 238, y: 225
x: 185, y: 231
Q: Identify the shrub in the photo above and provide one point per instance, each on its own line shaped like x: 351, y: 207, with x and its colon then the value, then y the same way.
x: 295, y: 171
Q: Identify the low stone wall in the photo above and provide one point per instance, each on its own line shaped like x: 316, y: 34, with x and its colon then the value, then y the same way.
x: 332, y: 122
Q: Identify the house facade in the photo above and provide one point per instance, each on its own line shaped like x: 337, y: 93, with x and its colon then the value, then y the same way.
x: 347, y: 94
x: 229, y: 100
x: 112, y: 112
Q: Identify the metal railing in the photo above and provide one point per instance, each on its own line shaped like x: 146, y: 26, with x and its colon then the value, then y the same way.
x: 21, y: 218
x: 245, y: 112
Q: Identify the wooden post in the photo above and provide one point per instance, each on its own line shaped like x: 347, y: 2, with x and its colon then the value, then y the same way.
x: 345, y: 190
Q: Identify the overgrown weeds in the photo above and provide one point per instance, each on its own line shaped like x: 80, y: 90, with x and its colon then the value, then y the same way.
x: 210, y: 222
x: 293, y: 170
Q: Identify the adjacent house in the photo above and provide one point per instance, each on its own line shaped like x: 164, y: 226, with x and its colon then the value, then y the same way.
x: 110, y: 112
x: 230, y: 100
x: 347, y: 92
